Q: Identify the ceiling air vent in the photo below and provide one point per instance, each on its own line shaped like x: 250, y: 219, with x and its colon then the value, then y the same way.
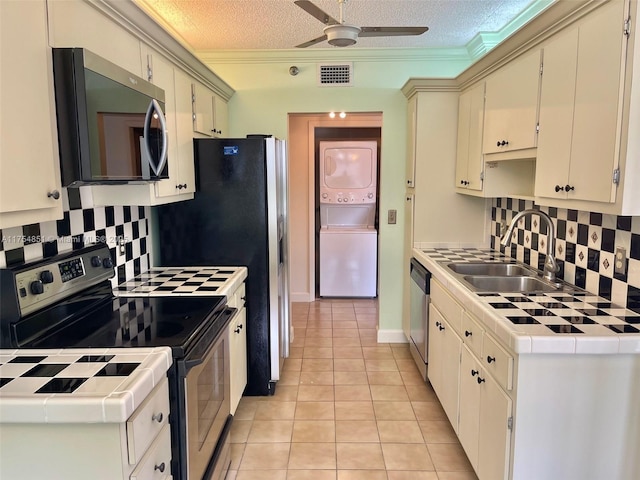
x: 335, y: 74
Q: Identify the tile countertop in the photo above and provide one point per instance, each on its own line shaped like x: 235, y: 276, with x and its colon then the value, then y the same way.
x: 86, y: 385
x: 541, y: 323
x: 169, y: 281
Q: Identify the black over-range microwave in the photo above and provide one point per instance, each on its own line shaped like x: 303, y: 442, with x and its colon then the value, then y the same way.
x: 111, y: 125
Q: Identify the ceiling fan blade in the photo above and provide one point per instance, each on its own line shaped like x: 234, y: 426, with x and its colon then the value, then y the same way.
x: 314, y: 11
x: 312, y: 42
x: 391, y: 31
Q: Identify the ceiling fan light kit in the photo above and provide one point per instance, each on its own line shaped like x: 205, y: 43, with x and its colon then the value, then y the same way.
x: 341, y: 34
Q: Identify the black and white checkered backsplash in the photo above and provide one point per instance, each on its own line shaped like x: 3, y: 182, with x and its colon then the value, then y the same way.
x: 585, y: 247
x: 84, y: 224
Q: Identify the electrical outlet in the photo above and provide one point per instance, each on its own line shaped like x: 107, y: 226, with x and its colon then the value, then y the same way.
x: 120, y: 243
x: 391, y: 217
x: 620, y: 261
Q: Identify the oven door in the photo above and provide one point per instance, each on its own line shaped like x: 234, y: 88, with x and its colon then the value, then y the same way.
x: 207, y: 405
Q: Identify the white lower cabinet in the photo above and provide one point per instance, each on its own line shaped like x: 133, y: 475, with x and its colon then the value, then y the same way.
x: 139, y: 449
x: 494, y: 431
x: 532, y: 416
x: 484, y: 425
x: 470, y: 379
x: 237, y: 334
x: 444, y: 350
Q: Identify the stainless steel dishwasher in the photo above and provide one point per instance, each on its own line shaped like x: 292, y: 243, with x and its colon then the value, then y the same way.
x: 419, y: 308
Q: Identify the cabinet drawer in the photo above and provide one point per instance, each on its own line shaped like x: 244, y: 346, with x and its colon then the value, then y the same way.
x: 147, y: 421
x: 451, y: 310
x: 156, y: 463
x: 472, y: 334
x: 498, y: 362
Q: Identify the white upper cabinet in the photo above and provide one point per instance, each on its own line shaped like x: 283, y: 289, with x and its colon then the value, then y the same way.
x: 210, y: 112
x: 30, y: 190
x: 75, y: 23
x: 581, y: 108
x: 511, y: 107
x: 469, y: 158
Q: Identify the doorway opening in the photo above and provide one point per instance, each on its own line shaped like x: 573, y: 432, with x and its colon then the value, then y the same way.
x: 346, y: 253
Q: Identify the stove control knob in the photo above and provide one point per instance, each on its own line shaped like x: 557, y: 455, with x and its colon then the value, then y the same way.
x: 370, y: 195
x: 96, y: 261
x: 46, y: 276
x: 107, y: 263
x: 325, y: 195
x: 36, y: 287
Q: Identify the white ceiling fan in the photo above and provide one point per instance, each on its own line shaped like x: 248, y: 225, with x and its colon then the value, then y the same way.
x: 341, y: 34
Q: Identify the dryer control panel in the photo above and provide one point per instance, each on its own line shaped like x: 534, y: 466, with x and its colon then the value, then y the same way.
x: 335, y: 197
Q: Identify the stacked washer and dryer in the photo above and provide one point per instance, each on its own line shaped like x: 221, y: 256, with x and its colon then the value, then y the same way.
x: 348, y: 236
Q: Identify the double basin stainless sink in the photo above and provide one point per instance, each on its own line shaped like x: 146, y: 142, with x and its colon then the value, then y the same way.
x: 503, y: 277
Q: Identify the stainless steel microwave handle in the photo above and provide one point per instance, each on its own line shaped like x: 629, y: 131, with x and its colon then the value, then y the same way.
x: 154, y: 106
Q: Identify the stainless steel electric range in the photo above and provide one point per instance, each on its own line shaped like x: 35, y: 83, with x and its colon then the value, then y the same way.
x: 67, y: 302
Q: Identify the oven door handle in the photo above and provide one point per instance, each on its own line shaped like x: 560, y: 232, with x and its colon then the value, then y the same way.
x: 225, y: 317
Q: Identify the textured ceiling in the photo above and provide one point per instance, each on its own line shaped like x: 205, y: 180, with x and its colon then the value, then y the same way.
x: 280, y: 24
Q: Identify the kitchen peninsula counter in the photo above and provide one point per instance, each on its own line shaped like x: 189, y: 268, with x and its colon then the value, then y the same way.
x: 81, y: 385
x: 564, y: 322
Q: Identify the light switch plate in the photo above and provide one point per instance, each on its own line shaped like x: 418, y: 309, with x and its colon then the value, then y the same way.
x: 391, y: 217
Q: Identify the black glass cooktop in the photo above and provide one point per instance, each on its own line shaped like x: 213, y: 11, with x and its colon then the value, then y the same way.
x: 122, y: 322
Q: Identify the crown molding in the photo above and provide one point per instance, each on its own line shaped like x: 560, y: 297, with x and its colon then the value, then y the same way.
x: 335, y: 55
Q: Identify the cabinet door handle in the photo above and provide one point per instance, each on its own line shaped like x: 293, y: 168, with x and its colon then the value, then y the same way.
x: 55, y: 194
x: 160, y: 467
x: 559, y: 188
x: 467, y: 333
x: 438, y: 324
x: 157, y: 417
x: 568, y: 188
x: 480, y: 380
x: 440, y: 328
x: 474, y: 373
x: 491, y: 359
x: 238, y: 328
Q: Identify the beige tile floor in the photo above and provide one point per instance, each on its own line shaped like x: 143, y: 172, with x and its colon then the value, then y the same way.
x: 345, y: 408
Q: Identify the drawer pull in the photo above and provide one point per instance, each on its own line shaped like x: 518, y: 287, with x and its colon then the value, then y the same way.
x: 157, y: 417
x: 480, y: 380
x: 467, y: 333
x: 491, y: 359
x: 160, y: 467
x: 474, y: 373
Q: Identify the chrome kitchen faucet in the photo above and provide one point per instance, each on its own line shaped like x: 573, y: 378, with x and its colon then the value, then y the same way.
x: 550, y: 265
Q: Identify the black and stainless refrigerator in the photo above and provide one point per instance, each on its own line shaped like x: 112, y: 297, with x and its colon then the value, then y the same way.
x: 238, y: 217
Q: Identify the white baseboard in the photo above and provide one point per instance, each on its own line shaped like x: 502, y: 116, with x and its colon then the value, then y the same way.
x: 391, y: 336
x: 301, y: 297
